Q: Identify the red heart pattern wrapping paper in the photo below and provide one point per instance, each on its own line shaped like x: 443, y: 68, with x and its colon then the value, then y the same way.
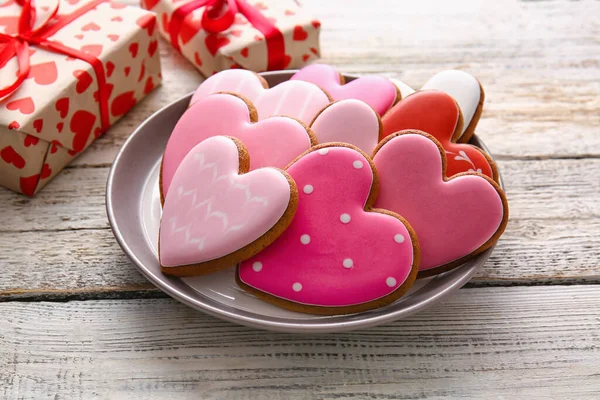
x: 54, y: 115
x: 241, y: 45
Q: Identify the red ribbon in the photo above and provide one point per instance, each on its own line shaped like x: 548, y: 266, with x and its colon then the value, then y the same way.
x: 18, y: 46
x: 219, y: 15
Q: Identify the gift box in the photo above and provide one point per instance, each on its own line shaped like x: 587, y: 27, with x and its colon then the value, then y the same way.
x: 214, y: 35
x: 69, y: 69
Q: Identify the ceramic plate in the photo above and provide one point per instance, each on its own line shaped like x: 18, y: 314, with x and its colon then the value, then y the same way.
x: 133, y: 206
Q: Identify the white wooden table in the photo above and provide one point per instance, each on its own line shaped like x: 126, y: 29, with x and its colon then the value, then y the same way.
x: 77, y: 321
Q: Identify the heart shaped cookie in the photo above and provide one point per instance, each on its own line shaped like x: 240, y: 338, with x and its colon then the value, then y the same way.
x: 376, y: 91
x: 300, y: 100
x: 348, y: 121
x: 218, y: 214
x: 339, y: 255
x: 468, y: 93
x: 272, y: 142
x: 454, y: 219
x: 437, y: 114
x: 464, y: 88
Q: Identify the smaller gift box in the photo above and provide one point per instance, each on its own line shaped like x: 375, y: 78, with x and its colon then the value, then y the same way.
x: 69, y: 69
x: 214, y: 35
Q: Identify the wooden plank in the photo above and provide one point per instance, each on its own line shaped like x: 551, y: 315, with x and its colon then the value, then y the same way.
x: 546, y: 189
x: 528, y: 342
x: 553, y: 235
x: 542, y: 85
x: 90, y: 264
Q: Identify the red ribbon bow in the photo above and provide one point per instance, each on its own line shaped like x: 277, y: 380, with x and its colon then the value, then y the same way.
x: 17, y: 45
x: 219, y: 15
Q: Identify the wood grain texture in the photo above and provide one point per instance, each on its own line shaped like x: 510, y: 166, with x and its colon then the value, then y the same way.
x: 89, y: 263
x: 553, y: 235
x: 536, y: 189
x: 482, y: 343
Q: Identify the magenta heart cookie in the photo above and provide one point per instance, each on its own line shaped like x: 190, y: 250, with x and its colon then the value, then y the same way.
x: 338, y: 255
x: 378, y: 92
x: 454, y: 219
x: 348, y: 121
x: 300, y: 100
x: 216, y: 214
x: 272, y: 142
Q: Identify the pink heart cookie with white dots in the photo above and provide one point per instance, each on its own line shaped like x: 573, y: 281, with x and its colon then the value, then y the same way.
x: 348, y: 121
x: 272, y: 142
x: 338, y: 255
x: 378, y: 92
x: 454, y: 219
x: 296, y: 99
x: 217, y: 213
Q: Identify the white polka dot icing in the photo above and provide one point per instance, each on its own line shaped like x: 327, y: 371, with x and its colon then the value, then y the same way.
x: 336, y: 269
x: 308, y: 189
x: 398, y: 238
x: 305, y: 239
x: 257, y: 266
x: 357, y: 164
x: 297, y: 287
x: 323, y: 151
x: 391, y: 282
x: 345, y: 218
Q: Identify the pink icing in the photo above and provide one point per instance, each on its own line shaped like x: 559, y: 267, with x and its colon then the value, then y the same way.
x: 333, y: 253
x: 212, y: 211
x: 451, y: 219
x: 348, y: 121
x: 274, y: 142
x: 376, y: 91
x: 301, y: 100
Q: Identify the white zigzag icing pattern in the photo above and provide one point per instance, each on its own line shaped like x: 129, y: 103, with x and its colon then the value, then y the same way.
x: 210, y: 202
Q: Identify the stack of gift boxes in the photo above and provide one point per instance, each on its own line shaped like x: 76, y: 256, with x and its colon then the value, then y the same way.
x: 73, y: 68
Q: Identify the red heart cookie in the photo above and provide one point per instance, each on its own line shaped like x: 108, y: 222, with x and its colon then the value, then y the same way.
x: 437, y: 114
x: 339, y: 255
x: 464, y: 88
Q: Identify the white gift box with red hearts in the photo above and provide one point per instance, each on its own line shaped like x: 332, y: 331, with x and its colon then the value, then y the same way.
x: 54, y: 114
x: 242, y: 45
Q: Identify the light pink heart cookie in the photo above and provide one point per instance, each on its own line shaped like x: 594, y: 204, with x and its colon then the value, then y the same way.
x: 338, y: 255
x: 454, y: 219
x: 300, y: 100
x: 378, y: 92
x: 348, y: 121
x: 272, y: 142
x: 216, y: 214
